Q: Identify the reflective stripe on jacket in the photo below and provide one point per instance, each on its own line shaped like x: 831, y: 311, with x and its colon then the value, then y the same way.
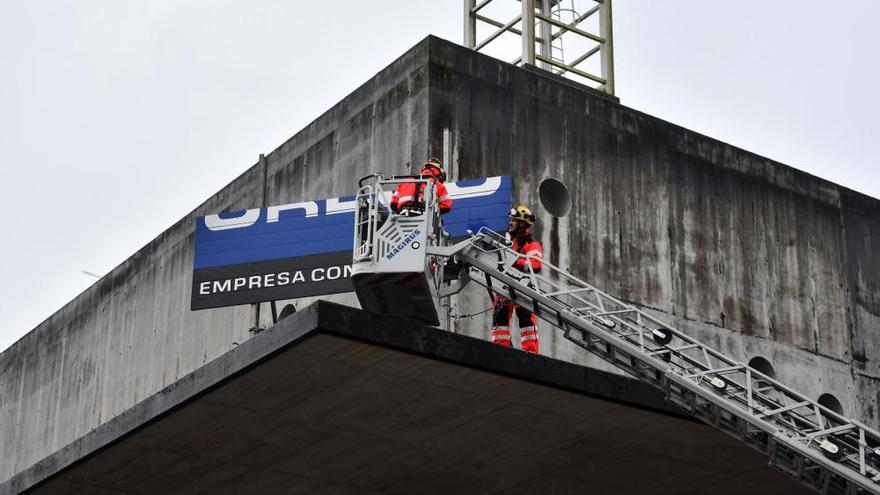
x: 527, y: 245
x: 406, y: 193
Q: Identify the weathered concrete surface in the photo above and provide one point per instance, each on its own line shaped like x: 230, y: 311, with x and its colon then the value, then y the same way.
x: 754, y: 257
x: 132, y: 333
x: 336, y: 400
x: 751, y: 256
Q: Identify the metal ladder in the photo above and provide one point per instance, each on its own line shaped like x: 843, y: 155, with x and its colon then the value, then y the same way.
x: 557, y: 51
x: 823, y: 449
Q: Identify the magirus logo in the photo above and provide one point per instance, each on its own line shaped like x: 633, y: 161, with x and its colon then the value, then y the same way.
x: 402, y: 244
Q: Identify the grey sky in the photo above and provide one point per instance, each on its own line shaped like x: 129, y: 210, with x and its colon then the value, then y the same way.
x: 118, y: 117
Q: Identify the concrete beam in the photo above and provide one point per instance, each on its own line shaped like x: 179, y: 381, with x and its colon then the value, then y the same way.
x: 336, y: 399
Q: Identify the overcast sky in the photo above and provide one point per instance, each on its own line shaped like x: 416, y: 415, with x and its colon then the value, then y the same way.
x: 118, y: 117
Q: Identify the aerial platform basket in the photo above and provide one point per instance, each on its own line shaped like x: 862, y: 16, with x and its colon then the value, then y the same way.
x: 391, y: 269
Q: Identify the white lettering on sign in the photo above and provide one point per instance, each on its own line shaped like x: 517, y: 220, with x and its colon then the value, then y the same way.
x: 269, y: 280
x: 486, y: 188
x: 310, y: 208
x: 335, y: 206
x: 248, y: 218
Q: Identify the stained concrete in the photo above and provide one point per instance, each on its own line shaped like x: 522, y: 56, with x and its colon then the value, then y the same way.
x: 749, y: 255
x: 132, y: 333
x: 336, y: 400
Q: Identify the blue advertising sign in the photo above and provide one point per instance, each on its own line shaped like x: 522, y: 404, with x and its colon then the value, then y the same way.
x: 304, y: 249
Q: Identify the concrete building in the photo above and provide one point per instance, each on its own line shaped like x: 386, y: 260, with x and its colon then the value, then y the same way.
x: 336, y: 400
x: 768, y: 264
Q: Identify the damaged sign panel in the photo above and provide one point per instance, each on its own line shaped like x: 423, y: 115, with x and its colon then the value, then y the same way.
x: 304, y: 249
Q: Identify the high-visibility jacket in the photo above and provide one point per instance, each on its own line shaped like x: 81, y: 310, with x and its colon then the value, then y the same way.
x: 505, y: 309
x: 406, y: 194
x: 527, y: 245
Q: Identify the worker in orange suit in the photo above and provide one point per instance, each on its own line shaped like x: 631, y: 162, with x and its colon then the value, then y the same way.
x: 407, y: 199
x: 520, y: 232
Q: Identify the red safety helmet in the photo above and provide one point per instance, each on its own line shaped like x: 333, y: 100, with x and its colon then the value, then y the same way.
x: 434, y: 168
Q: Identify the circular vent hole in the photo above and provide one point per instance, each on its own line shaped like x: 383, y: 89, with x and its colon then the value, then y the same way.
x: 763, y: 366
x: 555, y: 197
x: 831, y: 402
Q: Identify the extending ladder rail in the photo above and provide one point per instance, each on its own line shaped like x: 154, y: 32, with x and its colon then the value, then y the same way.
x: 823, y: 449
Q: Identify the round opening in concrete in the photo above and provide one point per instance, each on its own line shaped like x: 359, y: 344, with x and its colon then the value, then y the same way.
x: 555, y: 197
x: 831, y: 402
x: 763, y: 366
x: 287, y: 311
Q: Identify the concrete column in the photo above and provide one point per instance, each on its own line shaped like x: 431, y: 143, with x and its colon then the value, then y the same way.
x: 607, y: 52
x: 470, y: 24
x: 528, y: 32
x: 546, y: 33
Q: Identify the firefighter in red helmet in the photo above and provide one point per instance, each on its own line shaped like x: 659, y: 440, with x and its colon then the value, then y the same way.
x: 520, y: 231
x: 406, y: 197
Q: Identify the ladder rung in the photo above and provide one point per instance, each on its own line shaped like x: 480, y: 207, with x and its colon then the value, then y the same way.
x: 831, y: 431
x: 673, y: 349
x: 783, y: 409
x: 568, y: 291
x: 616, y: 312
x: 715, y: 371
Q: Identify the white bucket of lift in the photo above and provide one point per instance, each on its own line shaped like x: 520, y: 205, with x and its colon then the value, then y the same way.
x: 390, y: 271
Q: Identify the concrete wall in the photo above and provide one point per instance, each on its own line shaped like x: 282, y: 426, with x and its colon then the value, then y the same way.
x: 748, y: 254
x: 752, y: 256
x: 132, y: 333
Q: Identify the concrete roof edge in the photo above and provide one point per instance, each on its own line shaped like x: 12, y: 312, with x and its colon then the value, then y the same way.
x: 481, y: 354
x: 202, y: 380
x: 348, y: 322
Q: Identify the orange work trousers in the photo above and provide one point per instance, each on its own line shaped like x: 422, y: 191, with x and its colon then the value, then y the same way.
x: 503, y: 319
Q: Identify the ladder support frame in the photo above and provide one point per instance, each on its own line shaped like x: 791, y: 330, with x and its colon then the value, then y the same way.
x: 825, y: 450
x: 743, y: 410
